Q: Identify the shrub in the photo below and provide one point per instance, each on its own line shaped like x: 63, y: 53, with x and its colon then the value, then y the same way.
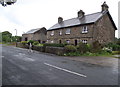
x: 115, y: 47
x: 31, y: 41
x: 83, y: 48
x: 35, y: 43
x: 109, y: 50
x: 53, y: 45
x: 40, y: 45
x: 24, y: 42
x: 70, y: 48
x: 115, y: 52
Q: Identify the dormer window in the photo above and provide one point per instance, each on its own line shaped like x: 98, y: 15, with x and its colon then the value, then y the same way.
x: 52, y: 33
x: 84, y: 29
x: 60, y: 32
x: 67, y: 31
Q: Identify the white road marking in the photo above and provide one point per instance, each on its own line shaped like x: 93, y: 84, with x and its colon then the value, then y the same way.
x: 65, y: 70
x: 23, y: 56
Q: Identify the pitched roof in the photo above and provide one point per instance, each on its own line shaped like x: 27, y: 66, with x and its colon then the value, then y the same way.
x: 31, y: 31
x: 90, y: 18
x: 34, y: 30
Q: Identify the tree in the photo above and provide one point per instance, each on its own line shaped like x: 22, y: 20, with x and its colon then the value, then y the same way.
x: 6, y: 36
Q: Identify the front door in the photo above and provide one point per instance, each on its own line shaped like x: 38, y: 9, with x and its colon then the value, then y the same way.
x: 75, y: 42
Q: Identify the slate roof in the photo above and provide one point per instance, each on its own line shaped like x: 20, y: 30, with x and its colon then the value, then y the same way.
x: 32, y: 31
x: 90, y: 18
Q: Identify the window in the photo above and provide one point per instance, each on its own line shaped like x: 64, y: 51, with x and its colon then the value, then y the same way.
x: 52, y: 33
x: 52, y: 41
x: 60, y: 33
x: 67, y: 41
x: 47, y: 41
x: 68, y: 31
x: 84, y: 41
x: 85, y: 29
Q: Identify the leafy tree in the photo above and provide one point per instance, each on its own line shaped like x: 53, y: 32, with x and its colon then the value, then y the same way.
x: 6, y: 36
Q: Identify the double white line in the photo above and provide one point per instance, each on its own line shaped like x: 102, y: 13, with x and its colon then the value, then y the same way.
x: 65, y: 70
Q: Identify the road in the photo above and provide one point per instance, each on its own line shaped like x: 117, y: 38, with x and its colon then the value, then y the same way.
x: 21, y: 67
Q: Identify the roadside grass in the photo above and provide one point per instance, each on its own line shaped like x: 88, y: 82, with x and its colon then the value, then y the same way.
x: 88, y: 54
x: 8, y: 44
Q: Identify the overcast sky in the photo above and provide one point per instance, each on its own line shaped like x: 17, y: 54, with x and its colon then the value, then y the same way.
x: 25, y: 15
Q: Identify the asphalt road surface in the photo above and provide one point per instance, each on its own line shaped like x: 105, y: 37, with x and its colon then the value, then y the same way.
x: 20, y: 67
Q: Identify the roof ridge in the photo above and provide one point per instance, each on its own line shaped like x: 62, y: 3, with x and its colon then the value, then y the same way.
x: 93, y: 13
x: 85, y: 15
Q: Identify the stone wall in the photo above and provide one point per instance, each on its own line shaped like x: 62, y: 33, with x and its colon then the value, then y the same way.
x: 104, y: 32
x: 53, y: 50
x: 38, y: 48
x: 22, y: 46
x: 28, y: 36
x: 75, y: 34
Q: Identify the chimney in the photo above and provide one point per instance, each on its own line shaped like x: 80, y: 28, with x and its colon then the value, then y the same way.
x: 104, y: 7
x: 60, y: 20
x: 81, y: 14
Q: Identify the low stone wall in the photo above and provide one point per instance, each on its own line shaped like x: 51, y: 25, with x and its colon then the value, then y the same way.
x: 55, y: 50
x: 38, y: 48
x: 47, y: 49
x: 22, y: 46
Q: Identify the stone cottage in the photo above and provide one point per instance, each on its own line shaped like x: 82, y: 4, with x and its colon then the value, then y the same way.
x: 84, y: 28
x: 38, y: 34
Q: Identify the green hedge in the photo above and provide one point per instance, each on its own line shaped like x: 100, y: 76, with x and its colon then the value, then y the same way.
x: 70, y: 48
x: 54, y: 45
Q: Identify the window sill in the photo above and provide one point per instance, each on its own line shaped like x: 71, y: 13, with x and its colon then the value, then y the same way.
x: 85, y: 33
x: 67, y: 34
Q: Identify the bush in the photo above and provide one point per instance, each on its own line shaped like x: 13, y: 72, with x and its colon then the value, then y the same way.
x: 83, y: 48
x: 109, y: 50
x: 31, y: 41
x: 115, y: 52
x: 70, y: 48
x: 40, y: 45
x: 24, y: 42
x: 53, y: 45
x: 115, y: 47
x: 35, y: 43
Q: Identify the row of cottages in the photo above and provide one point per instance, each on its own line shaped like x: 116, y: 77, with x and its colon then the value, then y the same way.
x: 84, y: 28
x: 38, y: 34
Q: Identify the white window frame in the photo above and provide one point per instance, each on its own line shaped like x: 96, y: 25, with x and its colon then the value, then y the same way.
x: 52, y: 33
x: 85, y: 29
x: 60, y: 32
x: 68, y: 31
x: 84, y: 41
x: 52, y: 41
x: 67, y: 41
